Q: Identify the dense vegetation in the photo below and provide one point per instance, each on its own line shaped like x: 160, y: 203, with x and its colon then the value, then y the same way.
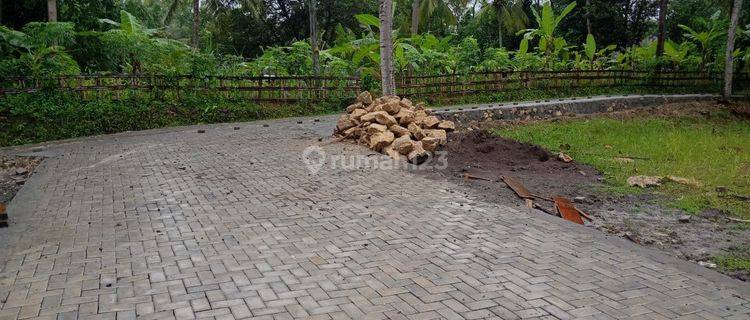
x: 269, y: 37
x: 273, y: 37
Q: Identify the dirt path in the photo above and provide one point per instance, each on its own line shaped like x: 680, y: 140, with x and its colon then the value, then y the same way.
x: 637, y: 217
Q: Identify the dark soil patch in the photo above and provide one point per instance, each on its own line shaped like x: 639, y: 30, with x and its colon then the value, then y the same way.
x: 638, y: 217
x: 485, y: 155
x: 14, y: 171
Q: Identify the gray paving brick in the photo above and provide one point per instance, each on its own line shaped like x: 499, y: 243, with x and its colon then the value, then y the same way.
x: 229, y: 224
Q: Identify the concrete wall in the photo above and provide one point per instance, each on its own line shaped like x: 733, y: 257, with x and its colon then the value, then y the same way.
x: 542, y: 109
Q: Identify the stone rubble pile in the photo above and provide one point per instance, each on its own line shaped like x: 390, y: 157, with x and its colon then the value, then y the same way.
x: 394, y: 126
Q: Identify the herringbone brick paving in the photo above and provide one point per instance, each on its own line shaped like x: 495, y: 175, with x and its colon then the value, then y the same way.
x: 229, y: 224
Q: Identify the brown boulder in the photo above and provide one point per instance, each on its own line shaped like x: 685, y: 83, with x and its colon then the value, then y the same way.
x: 406, y: 103
x: 392, y: 107
x: 365, y: 98
x: 416, y: 131
x: 385, y: 118
x: 399, y: 130
x: 353, y: 107
x: 344, y: 123
x: 404, y: 116
x: 388, y: 150
x: 447, y: 125
x: 403, y: 145
x: 370, y: 117
x: 354, y: 132
x: 374, y: 128
x: 356, y: 114
x: 380, y: 140
x: 430, y: 143
x: 418, y: 155
x: 430, y: 122
x: 438, y: 134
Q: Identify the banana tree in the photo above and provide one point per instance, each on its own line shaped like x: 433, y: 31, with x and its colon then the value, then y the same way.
x: 510, y: 15
x: 547, y: 24
x: 593, y: 55
x: 678, y: 54
x: 705, y: 39
x: 35, y: 55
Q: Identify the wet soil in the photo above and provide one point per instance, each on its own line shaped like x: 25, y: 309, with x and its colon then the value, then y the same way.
x: 642, y: 218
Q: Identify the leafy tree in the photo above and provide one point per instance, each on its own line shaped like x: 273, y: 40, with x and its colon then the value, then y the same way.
x: 37, y: 51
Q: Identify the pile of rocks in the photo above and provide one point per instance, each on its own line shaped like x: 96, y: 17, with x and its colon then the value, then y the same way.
x: 394, y: 126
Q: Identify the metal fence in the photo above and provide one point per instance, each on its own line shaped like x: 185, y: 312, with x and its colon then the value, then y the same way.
x: 278, y: 89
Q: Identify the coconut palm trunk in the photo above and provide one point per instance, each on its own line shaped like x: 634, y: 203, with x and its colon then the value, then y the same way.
x: 170, y: 12
x: 311, y: 7
x: 415, y: 17
x: 414, y: 29
x: 52, y: 10
x: 386, y: 48
x: 499, y: 12
x: 196, y: 23
x: 729, y: 59
x: 662, y: 19
x: 588, y: 17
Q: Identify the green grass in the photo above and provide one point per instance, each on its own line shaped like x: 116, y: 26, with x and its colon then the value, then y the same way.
x: 732, y: 262
x: 712, y: 150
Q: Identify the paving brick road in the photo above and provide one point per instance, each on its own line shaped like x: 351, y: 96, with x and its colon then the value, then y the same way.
x: 230, y: 224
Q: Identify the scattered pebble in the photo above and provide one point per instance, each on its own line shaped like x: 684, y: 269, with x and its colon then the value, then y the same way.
x: 685, y: 218
x: 707, y: 264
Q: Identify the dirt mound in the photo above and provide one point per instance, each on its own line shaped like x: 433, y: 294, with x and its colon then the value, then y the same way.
x: 486, y: 155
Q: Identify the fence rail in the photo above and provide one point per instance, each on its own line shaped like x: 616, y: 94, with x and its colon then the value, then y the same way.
x: 488, y: 82
x: 308, y: 88
x: 261, y: 89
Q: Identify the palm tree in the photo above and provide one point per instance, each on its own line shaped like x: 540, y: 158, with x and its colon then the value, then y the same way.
x: 588, y: 17
x: 170, y: 12
x: 415, y: 17
x: 510, y: 14
x: 729, y: 59
x: 662, y: 18
x: 311, y: 10
x: 386, y: 48
x: 196, y: 23
x: 52, y: 10
x: 424, y: 10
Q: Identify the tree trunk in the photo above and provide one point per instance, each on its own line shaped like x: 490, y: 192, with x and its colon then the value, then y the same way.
x: 414, y: 30
x: 729, y: 59
x: 588, y: 17
x: 415, y: 17
x: 499, y: 13
x: 170, y: 12
x: 196, y: 23
x: 312, y: 11
x: 52, y: 10
x: 386, y: 48
x: 662, y: 19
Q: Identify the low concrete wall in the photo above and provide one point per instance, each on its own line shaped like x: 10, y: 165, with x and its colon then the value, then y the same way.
x: 542, y: 109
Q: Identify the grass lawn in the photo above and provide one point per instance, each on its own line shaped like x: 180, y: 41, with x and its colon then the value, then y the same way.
x: 714, y: 150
